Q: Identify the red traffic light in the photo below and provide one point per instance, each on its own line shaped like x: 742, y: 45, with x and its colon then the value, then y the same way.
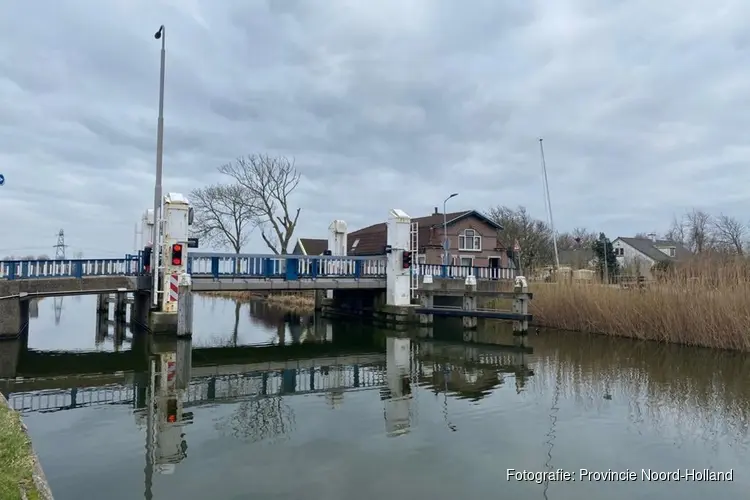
x: 406, y: 259
x: 177, y: 254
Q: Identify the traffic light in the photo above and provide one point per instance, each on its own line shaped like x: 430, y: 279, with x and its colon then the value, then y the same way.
x: 172, y: 410
x: 406, y: 259
x: 177, y: 254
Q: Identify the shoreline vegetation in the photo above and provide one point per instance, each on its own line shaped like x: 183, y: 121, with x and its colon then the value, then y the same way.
x: 292, y: 301
x: 703, y: 302
x: 16, y: 457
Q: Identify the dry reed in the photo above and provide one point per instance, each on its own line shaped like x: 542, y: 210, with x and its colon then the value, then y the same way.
x: 704, y: 302
x: 301, y: 301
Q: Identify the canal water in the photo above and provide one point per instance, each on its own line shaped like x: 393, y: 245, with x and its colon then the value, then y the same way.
x: 277, y: 406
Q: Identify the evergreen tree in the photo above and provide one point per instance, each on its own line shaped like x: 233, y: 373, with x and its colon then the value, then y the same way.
x: 599, y: 246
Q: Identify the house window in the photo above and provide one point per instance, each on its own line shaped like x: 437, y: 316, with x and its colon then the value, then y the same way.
x: 421, y: 259
x: 467, y: 261
x: 470, y: 241
x: 671, y: 251
x: 619, y: 252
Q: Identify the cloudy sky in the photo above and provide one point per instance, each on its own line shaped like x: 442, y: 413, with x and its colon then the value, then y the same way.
x: 643, y: 106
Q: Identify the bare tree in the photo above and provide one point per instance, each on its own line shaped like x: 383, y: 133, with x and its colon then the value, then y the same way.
x: 676, y: 231
x: 578, y: 238
x: 533, y: 235
x: 730, y: 233
x: 698, y: 225
x: 225, y: 214
x: 269, y: 181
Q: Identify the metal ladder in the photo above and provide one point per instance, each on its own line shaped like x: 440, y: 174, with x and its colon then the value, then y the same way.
x: 414, y: 249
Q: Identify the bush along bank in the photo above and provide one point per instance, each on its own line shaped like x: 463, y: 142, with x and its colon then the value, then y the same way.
x: 21, y: 475
x: 703, y: 303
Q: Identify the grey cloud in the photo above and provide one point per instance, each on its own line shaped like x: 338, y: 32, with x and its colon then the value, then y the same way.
x: 642, y: 106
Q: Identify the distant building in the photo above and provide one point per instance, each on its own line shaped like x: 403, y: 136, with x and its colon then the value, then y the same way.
x: 637, y: 256
x: 310, y: 246
x: 474, y: 240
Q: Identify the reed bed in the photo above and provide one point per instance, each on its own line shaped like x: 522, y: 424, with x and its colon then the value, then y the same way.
x: 704, y: 302
x: 288, y: 300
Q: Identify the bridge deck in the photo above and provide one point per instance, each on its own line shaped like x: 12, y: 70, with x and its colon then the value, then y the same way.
x: 261, y: 272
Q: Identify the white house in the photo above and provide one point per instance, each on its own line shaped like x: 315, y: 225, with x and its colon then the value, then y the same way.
x: 636, y: 256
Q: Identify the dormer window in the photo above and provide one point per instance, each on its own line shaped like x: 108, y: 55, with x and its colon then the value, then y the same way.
x: 671, y: 251
x: 470, y: 241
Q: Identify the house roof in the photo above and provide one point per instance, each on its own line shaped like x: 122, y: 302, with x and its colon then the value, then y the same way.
x: 650, y: 248
x: 313, y: 246
x: 371, y: 240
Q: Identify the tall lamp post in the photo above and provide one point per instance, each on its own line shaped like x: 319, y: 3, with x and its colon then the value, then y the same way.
x: 159, y: 35
x: 445, y: 230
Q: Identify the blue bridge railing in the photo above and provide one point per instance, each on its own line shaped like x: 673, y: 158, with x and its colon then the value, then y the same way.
x: 217, y: 266
x: 131, y: 265
x: 287, y: 267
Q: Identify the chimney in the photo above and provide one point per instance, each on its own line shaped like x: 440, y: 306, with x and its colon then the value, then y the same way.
x: 652, y: 236
x: 436, y: 211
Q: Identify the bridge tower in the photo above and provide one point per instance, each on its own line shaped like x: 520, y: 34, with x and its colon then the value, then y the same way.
x: 174, y: 262
x: 398, y: 274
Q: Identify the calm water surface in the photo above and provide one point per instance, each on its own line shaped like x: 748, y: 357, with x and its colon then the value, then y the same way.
x: 371, y: 416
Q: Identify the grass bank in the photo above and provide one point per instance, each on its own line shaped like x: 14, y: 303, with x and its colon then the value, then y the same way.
x: 16, y: 458
x: 301, y: 301
x: 703, y: 302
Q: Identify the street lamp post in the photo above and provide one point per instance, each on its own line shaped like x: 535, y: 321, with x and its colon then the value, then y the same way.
x: 160, y: 34
x: 445, y: 230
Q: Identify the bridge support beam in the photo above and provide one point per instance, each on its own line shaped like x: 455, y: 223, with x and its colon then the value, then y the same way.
x: 470, y: 303
x: 398, y: 279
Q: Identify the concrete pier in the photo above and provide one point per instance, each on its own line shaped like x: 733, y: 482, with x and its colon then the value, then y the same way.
x: 121, y: 306
x: 10, y: 350
x: 521, y: 306
x: 426, y: 300
x: 139, y: 312
x: 185, y: 307
x: 470, y: 303
x: 102, y: 304
x: 14, y: 317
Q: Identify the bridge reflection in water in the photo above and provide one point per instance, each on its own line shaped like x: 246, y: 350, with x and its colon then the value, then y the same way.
x: 177, y: 379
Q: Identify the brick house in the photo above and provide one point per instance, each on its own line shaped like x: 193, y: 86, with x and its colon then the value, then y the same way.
x: 473, y: 240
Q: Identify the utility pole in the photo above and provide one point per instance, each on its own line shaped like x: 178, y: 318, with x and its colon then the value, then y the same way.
x: 60, y: 246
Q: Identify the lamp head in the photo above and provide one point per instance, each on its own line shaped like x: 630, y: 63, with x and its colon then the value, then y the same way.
x: 158, y: 34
